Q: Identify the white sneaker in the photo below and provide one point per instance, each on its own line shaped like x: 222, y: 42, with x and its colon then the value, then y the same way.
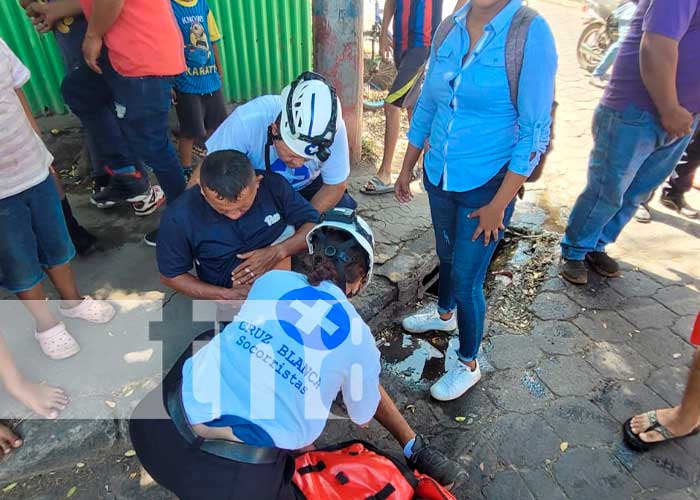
x: 455, y: 382
x: 155, y: 199
x: 425, y: 322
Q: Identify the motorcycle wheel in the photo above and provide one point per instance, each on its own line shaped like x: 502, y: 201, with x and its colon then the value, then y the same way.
x: 588, y: 49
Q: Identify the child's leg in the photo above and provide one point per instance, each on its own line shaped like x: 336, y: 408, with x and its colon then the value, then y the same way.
x: 34, y: 300
x: 185, y: 150
x: 63, y: 279
x: 45, y: 400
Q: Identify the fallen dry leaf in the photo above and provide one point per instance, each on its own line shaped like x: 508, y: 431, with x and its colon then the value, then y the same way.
x: 9, y: 487
x: 411, y: 408
x: 130, y: 453
x: 564, y: 446
x: 677, y: 355
x: 111, y: 404
x: 80, y: 465
x: 71, y: 491
x: 481, y: 466
x: 460, y: 419
x: 133, y: 475
x: 138, y: 356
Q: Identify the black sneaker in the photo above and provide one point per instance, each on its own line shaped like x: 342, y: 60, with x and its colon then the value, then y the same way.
x: 574, y: 271
x: 84, y: 242
x: 124, y: 187
x: 99, y: 183
x: 151, y: 239
x: 428, y: 460
x: 603, y: 264
x: 678, y: 204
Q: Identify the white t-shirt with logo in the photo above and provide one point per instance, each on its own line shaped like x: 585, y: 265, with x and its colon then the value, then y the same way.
x: 24, y: 160
x: 284, y: 359
x: 245, y: 130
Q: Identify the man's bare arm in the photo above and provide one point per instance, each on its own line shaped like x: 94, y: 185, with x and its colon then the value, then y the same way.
x: 328, y: 196
x: 658, y: 59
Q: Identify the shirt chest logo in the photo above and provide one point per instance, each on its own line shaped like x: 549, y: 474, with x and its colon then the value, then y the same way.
x: 272, y: 219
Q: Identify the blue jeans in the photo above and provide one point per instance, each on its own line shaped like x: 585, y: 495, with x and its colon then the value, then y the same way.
x: 631, y: 157
x: 463, y: 262
x: 33, y: 236
x: 128, y: 119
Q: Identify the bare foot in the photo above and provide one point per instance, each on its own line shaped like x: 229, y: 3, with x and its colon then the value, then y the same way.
x: 671, y: 418
x: 42, y: 399
x: 8, y: 441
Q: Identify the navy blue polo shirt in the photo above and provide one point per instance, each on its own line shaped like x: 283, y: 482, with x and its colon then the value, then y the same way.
x: 192, y: 232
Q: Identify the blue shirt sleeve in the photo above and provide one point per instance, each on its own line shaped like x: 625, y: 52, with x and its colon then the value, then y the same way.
x: 294, y: 208
x: 424, y: 111
x: 173, y: 252
x: 535, y: 98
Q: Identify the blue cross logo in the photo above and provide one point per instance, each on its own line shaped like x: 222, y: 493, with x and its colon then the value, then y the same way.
x: 313, y: 318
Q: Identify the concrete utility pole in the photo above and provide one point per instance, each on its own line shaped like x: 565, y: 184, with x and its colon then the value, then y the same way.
x: 338, y: 56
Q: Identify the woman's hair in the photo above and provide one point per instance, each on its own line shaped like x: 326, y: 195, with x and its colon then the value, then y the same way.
x: 322, y: 268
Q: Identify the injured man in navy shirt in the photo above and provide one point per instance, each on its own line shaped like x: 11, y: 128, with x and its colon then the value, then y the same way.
x: 232, y: 228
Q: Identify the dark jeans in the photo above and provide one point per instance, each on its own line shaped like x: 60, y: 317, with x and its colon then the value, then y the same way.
x: 310, y: 191
x: 681, y: 181
x: 194, y: 474
x: 128, y: 119
x: 463, y: 262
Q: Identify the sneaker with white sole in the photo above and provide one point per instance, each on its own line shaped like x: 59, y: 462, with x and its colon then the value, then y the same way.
x: 457, y: 381
x: 154, y: 201
x: 425, y: 322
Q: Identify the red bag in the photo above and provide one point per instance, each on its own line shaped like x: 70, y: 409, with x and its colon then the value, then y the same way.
x: 695, y: 335
x: 358, y: 471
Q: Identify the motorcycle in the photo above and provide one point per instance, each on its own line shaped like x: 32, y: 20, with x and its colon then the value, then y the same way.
x: 599, y: 32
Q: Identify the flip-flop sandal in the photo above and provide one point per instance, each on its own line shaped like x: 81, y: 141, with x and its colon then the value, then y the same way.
x: 94, y: 311
x: 378, y: 187
x: 637, y: 444
x: 57, y: 343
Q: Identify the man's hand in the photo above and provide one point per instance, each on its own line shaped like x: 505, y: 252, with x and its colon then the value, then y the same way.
x: 43, y: 16
x: 490, y: 223
x: 92, y: 48
x: 385, y: 45
x: 236, y: 295
x: 255, y: 264
x: 678, y: 122
x: 402, y: 187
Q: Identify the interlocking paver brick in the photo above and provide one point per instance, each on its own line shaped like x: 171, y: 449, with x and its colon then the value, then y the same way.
x: 580, y: 422
x: 508, y: 485
x: 517, y: 391
x: 569, y: 375
x: 644, y: 312
x: 635, y: 284
x: 622, y: 400
x: 559, y: 337
x: 593, y: 474
x: 682, y: 300
x: 542, y: 485
x: 666, y: 467
x: 684, y: 326
x: 607, y: 326
x: 596, y: 296
x: 669, y: 383
x: 680, y: 494
x: 549, y: 305
x: 619, y: 361
x: 523, y: 440
x: 513, y: 351
x: 661, y: 347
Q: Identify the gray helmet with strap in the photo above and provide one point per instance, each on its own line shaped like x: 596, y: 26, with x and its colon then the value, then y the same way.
x: 345, y: 220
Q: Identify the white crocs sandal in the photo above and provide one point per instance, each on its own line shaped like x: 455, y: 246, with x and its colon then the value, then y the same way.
x: 57, y: 343
x: 94, y: 311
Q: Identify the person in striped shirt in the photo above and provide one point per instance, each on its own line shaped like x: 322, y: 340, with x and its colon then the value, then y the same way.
x: 414, y: 22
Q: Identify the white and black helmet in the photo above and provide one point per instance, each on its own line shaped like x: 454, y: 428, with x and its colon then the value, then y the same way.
x: 309, y: 116
x: 346, y: 220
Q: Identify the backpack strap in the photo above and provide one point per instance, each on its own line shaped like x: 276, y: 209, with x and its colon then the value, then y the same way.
x: 442, y: 31
x: 515, y: 49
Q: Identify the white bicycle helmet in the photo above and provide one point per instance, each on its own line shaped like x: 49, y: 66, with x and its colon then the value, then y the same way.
x: 309, y: 116
x: 347, y: 220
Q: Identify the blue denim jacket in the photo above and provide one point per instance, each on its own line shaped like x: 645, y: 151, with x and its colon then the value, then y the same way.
x: 465, y: 108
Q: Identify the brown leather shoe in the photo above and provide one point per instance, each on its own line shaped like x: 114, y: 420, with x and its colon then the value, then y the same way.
x: 603, y: 264
x: 574, y: 271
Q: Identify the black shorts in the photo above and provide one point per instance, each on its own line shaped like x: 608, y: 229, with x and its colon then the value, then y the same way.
x: 191, y: 473
x: 200, y: 113
x: 409, y: 78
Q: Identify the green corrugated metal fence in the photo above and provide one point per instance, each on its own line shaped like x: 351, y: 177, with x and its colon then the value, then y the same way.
x: 39, y: 53
x: 266, y: 44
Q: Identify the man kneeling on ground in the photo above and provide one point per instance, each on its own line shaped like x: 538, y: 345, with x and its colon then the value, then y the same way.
x: 300, y: 135
x: 240, y: 407
x: 232, y: 228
